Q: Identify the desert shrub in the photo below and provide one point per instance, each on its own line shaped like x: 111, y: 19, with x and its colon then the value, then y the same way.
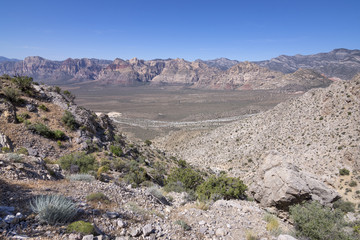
x: 221, y: 187
x: 57, y: 89
x: 45, y: 131
x: 69, y: 95
x: 81, y: 177
x: 14, y: 157
x: 183, y: 225
x: 353, y: 184
x: 69, y: 120
x: 98, y: 197
x: 175, y: 187
x: 81, y: 227
x: 116, y: 150
x: 44, y: 108
x: 156, y: 192
x: 344, y: 172
x: 101, y: 170
x: 53, y: 209
x: 11, y: 94
x: 148, y: 142
x: 314, y: 221
x: 136, y: 176
x: 182, y: 163
x: 23, y: 82
x: 85, y: 162
x: 344, y: 206
x: 157, y: 176
x: 22, y: 117
x: 22, y: 151
x: 59, y: 134
x: 187, y: 176
x: 5, y: 149
x: 272, y: 223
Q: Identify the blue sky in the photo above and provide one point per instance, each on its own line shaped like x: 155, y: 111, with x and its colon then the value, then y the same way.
x: 148, y: 29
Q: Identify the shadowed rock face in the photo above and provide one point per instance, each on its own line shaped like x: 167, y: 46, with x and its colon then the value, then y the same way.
x: 339, y: 63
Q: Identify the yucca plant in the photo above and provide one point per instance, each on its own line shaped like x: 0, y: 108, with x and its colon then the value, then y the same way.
x: 53, y: 209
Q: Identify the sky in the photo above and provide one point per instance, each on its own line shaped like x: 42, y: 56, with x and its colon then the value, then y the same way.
x: 148, y: 29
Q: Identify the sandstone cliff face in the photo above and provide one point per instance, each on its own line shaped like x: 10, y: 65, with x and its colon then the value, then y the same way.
x: 55, y: 72
x: 339, y: 63
x: 317, y: 134
x: 220, y: 63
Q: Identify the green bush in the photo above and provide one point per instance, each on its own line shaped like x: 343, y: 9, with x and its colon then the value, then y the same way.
x: 136, y: 176
x: 220, y: 187
x: 69, y: 95
x: 69, y: 120
x: 53, y: 209
x: 353, y: 184
x: 183, y: 225
x: 148, y: 142
x: 116, y: 150
x: 85, y: 162
x: 22, y: 151
x: 22, y: 117
x: 98, y: 197
x: 344, y: 172
x: 57, y: 89
x: 82, y: 227
x: 316, y: 222
x: 23, y: 82
x: 344, y: 206
x: 44, y: 108
x: 190, y: 178
x: 12, y: 94
x: 175, y: 187
x: 5, y: 149
x: 45, y: 131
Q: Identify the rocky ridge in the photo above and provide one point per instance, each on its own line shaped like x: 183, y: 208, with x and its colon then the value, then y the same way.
x: 211, y: 74
x: 307, y: 138
x: 339, y: 63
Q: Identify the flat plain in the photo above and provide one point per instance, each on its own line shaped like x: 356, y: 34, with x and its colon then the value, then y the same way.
x: 146, y: 112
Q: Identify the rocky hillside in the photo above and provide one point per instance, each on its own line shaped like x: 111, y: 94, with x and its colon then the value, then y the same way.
x: 66, y: 173
x: 220, y: 73
x: 339, y: 63
x: 287, y: 154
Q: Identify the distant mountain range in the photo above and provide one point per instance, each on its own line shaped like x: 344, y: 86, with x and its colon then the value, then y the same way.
x: 283, y: 72
x: 4, y: 59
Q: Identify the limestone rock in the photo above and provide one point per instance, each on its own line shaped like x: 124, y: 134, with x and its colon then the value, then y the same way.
x: 285, y: 237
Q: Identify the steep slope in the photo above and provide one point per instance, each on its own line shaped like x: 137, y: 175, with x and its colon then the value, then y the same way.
x: 316, y: 134
x: 339, y: 63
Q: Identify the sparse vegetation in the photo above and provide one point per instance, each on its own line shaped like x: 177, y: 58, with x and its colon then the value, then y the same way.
x: 353, y: 183
x: 85, y: 162
x: 272, y: 225
x: 22, y: 151
x: 69, y: 120
x: 81, y: 177
x: 45, y: 131
x: 344, y: 172
x: 81, y: 227
x: 98, y: 197
x: 183, y: 224
x: 148, y: 142
x: 12, y: 94
x: 43, y: 107
x: 53, y: 209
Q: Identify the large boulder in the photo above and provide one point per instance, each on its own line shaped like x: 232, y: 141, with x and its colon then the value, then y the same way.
x: 280, y: 183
